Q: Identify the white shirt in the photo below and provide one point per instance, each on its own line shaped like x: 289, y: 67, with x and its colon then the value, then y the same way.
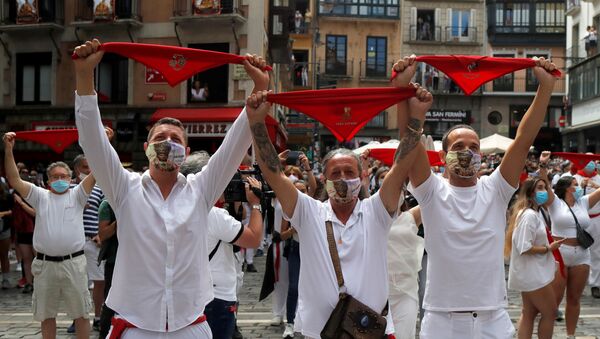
x: 529, y: 272
x: 405, y: 251
x: 223, y: 227
x: 58, y: 221
x: 563, y: 223
x: 589, y: 190
x: 464, y: 239
x: 161, y: 272
x: 362, y: 257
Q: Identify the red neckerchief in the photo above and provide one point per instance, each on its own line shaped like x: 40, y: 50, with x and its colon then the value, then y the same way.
x: 579, y: 160
x: 583, y: 174
x: 469, y: 72
x: 386, y: 155
x: 344, y: 111
x: 175, y: 63
x: 56, y: 139
x: 119, y: 325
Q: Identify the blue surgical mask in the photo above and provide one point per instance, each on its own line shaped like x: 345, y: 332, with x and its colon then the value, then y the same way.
x: 578, y: 193
x: 442, y: 169
x: 590, y: 167
x: 541, y: 197
x: 60, y: 186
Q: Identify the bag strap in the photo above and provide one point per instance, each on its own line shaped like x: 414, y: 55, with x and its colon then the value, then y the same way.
x: 574, y: 217
x: 214, y: 251
x: 334, y: 254
x: 546, y: 218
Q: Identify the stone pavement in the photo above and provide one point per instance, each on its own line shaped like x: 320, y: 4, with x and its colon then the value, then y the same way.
x: 254, y: 317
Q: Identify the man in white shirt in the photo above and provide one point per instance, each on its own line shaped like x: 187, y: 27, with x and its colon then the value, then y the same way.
x: 161, y: 280
x: 360, y: 227
x: 465, y: 219
x: 59, y: 267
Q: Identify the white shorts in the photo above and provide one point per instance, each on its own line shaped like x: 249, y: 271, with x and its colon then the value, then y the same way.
x: 66, y: 280
x: 404, y: 310
x: 199, y: 331
x: 472, y: 325
x: 95, y: 272
x: 575, y: 255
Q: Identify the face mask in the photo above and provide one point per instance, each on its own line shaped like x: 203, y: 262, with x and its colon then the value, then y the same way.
x: 60, y: 186
x: 343, y: 191
x: 166, y: 155
x: 464, y: 164
x: 578, y: 193
x: 293, y: 178
x: 82, y: 176
x: 442, y: 169
x: 590, y: 167
x: 541, y: 197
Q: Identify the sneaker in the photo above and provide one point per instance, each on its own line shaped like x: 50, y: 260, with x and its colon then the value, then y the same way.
x: 277, y: 320
x: 559, y: 315
x: 251, y: 268
x: 22, y: 282
x: 5, y: 284
x: 71, y: 329
x: 28, y: 289
x: 96, y: 325
x: 595, y: 292
x: 289, y: 331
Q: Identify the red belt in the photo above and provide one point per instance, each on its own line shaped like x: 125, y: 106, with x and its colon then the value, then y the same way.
x: 119, y: 325
x: 594, y: 215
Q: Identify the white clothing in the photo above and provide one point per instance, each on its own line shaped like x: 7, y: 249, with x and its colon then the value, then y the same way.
x: 563, y: 223
x: 198, y: 95
x: 223, y: 227
x: 91, y: 250
x: 594, y: 277
x: 59, y: 220
x: 494, y: 324
x: 199, y: 331
x: 464, y: 240
x: 558, y: 176
x: 575, y: 255
x: 161, y: 271
x: 404, y: 310
x: 280, y: 266
x: 405, y: 252
x: 529, y: 272
x: 362, y: 258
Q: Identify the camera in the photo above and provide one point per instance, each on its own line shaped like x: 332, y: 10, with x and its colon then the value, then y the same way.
x: 236, y: 189
x: 293, y: 158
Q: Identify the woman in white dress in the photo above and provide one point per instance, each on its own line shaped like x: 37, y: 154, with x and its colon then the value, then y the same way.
x: 532, y: 265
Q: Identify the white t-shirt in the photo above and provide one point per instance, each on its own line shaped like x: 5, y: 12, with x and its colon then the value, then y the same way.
x: 362, y: 257
x: 529, y: 272
x: 563, y: 223
x: 589, y: 190
x: 464, y: 239
x: 278, y: 215
x: 405, y: 251
x: 58, y: 221
x: 223, y: 227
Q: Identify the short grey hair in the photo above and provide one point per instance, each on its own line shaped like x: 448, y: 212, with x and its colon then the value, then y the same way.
x: 341, y: 151
x: 58, y: 164
x: 194, y: 163
x: 78, y: 160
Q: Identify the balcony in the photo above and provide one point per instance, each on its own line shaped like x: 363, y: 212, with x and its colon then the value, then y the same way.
x: 223, y: 11
x: 577, y: 53
x: 32, y: 15
x: 389, y: 9
x: 584, y: 80
x: 335, y: 69
x: 460, y: 35
x: 119, y: 12
x: 425, y: 36
x: 573, y: 6
x: 375, y: 72
x: 520, y: 85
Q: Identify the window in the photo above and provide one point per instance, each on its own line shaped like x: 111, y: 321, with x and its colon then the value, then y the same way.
x: 34, y: 78
x: 531, y: 82
x: 506, y: 82
x: 376, y: 57
x: 366, y: 8
x: 512, y: 17
x: 211, y: 85
x: 425, y: 28
x: 550, y: 17
x: 460, y: 24
x: 111, y: 79
x: 335, y: 58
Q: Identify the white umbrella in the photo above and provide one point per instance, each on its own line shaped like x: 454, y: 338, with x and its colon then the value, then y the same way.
x: 495, y: 143
x: 392, y: 143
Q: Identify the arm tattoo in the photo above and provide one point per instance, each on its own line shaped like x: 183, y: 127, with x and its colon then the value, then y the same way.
x: 410, y: 140
x: 266, y: 151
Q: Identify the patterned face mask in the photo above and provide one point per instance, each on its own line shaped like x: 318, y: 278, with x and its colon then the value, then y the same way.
x: 166, y: 155
x: 465, y: 164
x: 343, y: 191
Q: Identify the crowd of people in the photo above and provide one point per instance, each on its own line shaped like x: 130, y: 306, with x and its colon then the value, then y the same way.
x: 165, y: 248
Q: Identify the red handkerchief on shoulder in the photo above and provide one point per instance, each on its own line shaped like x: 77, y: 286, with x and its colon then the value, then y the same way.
x: 469, y: 72
x: 344, y: 111
x: 57, y: 139
x: 175, y: 63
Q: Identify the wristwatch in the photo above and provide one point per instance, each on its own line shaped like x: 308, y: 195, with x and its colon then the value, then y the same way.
x: 257, y: 207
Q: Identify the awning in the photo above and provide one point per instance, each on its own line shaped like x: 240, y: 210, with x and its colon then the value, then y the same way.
x: 215, y: 122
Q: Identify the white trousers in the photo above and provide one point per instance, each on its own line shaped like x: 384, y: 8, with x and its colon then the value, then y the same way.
x: 281, y: 286
x: 199, y: 331
x: 404, y: 310
x: 594, y: 278
x: 476, y: 325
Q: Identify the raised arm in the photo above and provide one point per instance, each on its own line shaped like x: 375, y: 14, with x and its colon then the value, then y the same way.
x: 594, y: 198
x: 516, y: 155
x: 408, y: 152
x: 312, y: 181
x: 12, y: 173
x: 420, y: 169
x: 544, y: 160
x: 257, y: 108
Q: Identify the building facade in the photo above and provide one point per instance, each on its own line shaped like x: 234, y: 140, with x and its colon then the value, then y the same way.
x: 37, y: 74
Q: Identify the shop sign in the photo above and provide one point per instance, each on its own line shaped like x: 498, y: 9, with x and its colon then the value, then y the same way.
x: 458, y: 116
x: 207, y: 129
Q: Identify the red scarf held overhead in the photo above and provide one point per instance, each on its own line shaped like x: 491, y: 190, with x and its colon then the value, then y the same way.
x: 386, y: 155
x: 344, y: 111
x: 57, y: 139
x: 176, y: 64
x: 579, y: 160
x: 469, y: 72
